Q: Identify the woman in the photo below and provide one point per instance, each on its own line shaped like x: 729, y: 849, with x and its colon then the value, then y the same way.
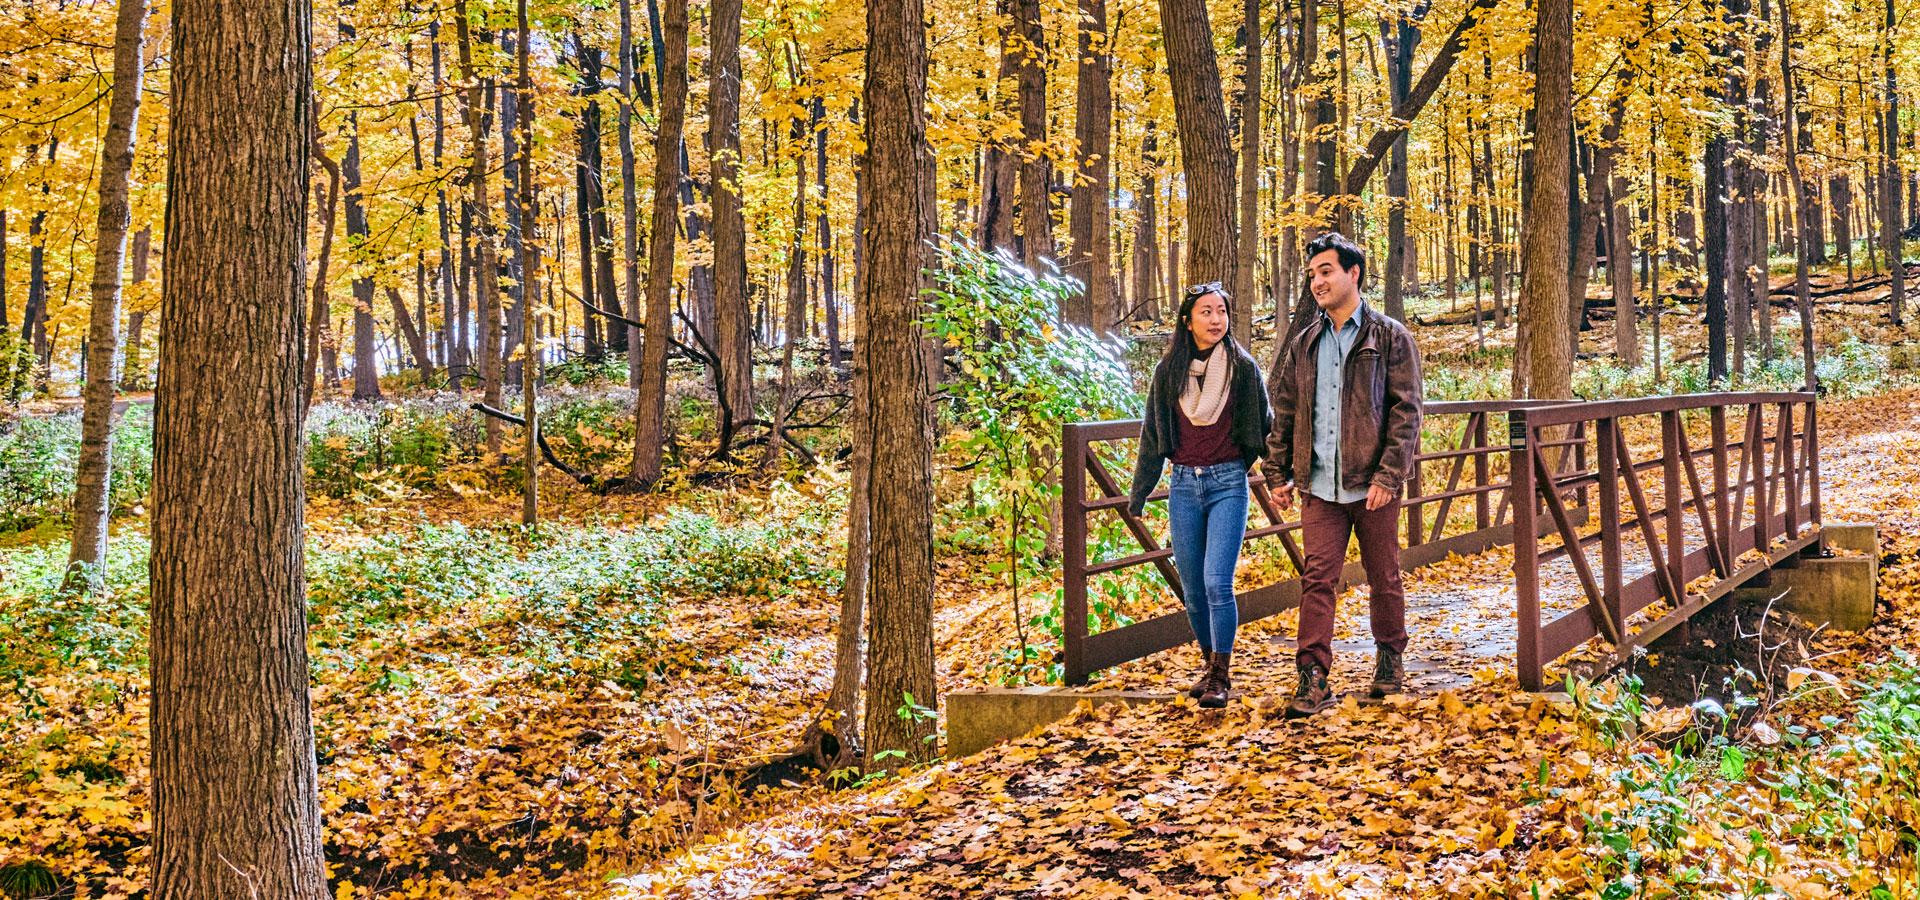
x: 1207, y: 414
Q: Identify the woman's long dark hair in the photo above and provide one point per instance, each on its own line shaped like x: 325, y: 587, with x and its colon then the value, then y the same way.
x: 1171, y: 378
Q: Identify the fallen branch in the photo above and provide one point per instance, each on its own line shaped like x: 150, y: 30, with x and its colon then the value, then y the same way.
x: 586, y: 479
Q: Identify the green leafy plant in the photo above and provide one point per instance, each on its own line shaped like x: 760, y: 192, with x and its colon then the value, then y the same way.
x: 1021, y: 375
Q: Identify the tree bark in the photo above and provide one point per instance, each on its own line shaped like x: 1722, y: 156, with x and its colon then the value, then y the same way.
x: 1804, y: 214
x: 1890, y: 218
x: 479, y: 206
x: 530, y: 290
x: 1247, y: 243
x: 366, y: 372
x: 1543, y: 242
x: 1092, y: 232
x: 1206, y: 154
x: 650, y: 404
x: 236, y: 807
x: 899, y: 169
x: 629, y: 198
x: 93, y: 477
x: 1036, y: 167
x: 733, y: 319
x: 1402, y: 38
x: 997, y: 195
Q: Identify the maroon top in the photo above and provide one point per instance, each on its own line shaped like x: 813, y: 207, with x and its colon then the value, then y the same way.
x: 1205, y: 445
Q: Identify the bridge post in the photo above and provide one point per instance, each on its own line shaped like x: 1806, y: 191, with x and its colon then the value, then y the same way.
x: 1073, y: 515
x: 1526, y: 550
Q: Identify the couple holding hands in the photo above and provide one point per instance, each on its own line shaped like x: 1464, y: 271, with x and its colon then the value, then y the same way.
x: 1336, y: 421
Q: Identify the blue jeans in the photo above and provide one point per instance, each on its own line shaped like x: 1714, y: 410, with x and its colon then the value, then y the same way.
x: 1207, y: 515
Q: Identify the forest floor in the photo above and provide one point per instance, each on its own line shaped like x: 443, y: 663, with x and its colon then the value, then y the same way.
x: 1437, y: 792
x: 501, y: 715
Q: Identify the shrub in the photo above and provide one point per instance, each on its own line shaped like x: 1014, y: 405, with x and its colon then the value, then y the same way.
x: 38, y: 456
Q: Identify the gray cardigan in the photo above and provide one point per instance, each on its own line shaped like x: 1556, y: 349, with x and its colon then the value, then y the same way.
x: 1160, y: 434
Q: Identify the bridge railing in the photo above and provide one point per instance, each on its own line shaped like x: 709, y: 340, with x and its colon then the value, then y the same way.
x: 1471, y: 513
x: 1661, y: 527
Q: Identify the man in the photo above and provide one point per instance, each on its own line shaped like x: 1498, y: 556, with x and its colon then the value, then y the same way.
x: 1346, y: 418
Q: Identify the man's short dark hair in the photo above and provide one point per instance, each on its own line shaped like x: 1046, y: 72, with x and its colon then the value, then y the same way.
x: 1350, y: 253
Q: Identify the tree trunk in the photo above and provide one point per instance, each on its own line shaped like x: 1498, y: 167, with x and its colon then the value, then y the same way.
x: 1247, y: 242
x: 1544, y: 238
x: 823, y: 230
x: 629, y: 198
x: 236, y: 806
x: 732, y: 316
x: 899, y: 168
x: 795, y: 324
x: 319, y: 334
x: 1716, y: 217
x: 1091, y: 226
x: 1890, y: 217
x: 479, y: 206
x: 1206, y: 154
x: 515, y: 320
x: 997, y: 195
x: 366, y: 372
x: 1740, y: 208
x: 1146, y: 246
x: 530, y: 290
x: 843, y: 702
x: 450, y: 349
x: 93, y: 477
x: 1806, y: 218
x: 1401, y: 38
x: 1036, y: 167
x: 650, y: 404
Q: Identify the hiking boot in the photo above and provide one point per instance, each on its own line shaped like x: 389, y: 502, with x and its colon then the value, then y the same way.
x: 1220, y: 685
x: 1205, y: 680
x: 1389, y: 672
x: 1313, y: 694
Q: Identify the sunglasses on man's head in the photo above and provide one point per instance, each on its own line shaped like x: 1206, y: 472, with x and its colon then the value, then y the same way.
x: 1211, y: 287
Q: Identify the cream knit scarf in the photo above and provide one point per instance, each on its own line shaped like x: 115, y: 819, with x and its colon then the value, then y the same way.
x: 1206, y: 391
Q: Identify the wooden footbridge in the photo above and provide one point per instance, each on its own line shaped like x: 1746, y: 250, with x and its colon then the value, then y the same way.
x: 1630, y: 517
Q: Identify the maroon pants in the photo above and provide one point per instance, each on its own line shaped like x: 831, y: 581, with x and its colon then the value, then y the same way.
x: 1325, y: 527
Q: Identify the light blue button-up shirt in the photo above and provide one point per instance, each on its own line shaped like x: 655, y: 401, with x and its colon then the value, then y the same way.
x: 1333, y: 346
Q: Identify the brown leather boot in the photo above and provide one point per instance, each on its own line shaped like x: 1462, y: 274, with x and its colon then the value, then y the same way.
x: 1221, y: 688
x: 1205, y: 680
x: 1312, y: 695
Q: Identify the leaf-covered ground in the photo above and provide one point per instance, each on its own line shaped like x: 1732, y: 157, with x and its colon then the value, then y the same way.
x: 1474, y: 790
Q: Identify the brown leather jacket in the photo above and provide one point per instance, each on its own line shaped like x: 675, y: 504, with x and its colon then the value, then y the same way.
x: 1380, y: 406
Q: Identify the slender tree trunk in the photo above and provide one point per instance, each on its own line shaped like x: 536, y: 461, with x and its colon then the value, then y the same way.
x: 1206, y: 154
x: 629, y: 198
x: 235, y: 794
x: 450, y: 349
x: 1544, y: 240
x: 1146, y: 245
x: 530, y: 292
x: 650, y: 404
x: 1891, y: 219
x: 1401, y: 38
x: 93, y: 478
x: 899, y: 169
x: 517, y: 220
x: 823, y: 230
x: 732, y: 315
x: 1092, y: 231
x: 479, y: 207
x: 1806, y: 218
x: 795, y: 325
x: 997, y: 197
x: 1247, y: 245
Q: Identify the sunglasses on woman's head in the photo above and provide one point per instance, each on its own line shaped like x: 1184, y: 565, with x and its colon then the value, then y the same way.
x: 1210, y: 287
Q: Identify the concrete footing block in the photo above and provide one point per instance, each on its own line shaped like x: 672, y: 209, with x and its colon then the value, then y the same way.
x: 978, y: 719
x: 1835, y: 593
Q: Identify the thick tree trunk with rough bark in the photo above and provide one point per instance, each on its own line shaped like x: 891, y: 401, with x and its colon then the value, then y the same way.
x: 998, y: 179
x: 650, y: 405
x: 93, y: 476
x: 235, y: 794
x: 1543, y: 242
x: 899, y: 169
x: 1206, y: 153
x: 1401, y: 39
x: 1092, y: 232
